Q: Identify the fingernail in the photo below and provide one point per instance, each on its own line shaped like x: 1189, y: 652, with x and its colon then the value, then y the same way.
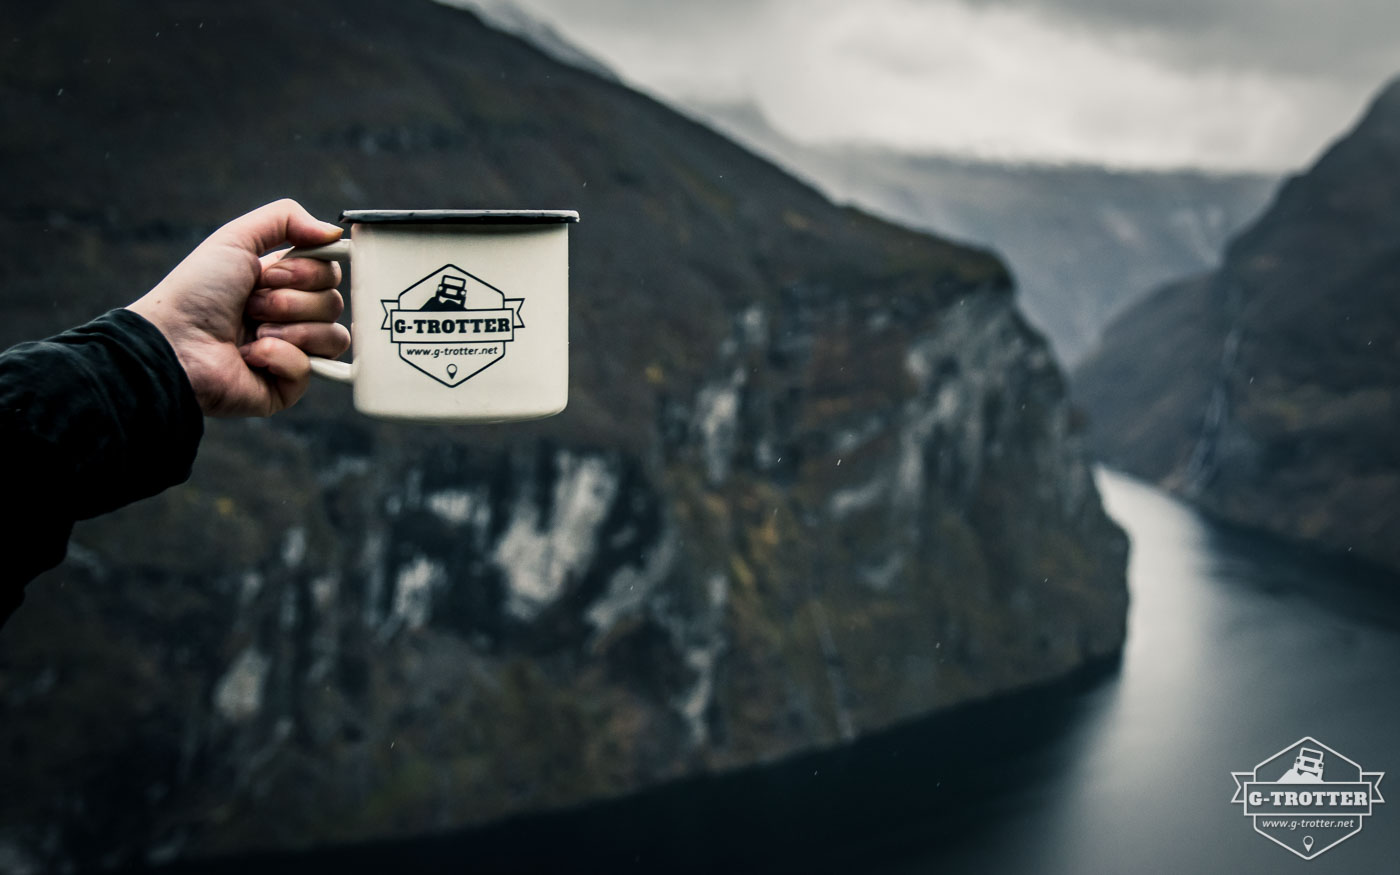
x: 267, y: 330
x: 276, y: 276
x: 331, y: 226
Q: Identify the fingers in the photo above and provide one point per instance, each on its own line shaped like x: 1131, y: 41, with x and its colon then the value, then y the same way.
x: 313, y: 338
x: 287, y: 367
x: 310, y: 274
x: 297, y: 306
x: 278, y: 223
x: 292, y: 305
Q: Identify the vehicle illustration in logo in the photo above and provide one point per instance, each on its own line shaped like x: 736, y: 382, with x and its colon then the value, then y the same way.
x: 1301, y: 809
x: 1306, y: 768
x: 452, y: 325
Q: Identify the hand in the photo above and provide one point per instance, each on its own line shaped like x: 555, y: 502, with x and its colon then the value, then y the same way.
x: 209, y: 304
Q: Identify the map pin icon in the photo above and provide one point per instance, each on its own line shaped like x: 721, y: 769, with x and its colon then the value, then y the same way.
x: 1307, y: 843
x: 451, y: 372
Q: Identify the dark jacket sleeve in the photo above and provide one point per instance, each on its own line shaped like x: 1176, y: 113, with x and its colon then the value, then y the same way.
x: 90, y: 420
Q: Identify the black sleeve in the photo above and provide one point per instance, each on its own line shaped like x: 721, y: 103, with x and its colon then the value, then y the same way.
x: 90, y: 420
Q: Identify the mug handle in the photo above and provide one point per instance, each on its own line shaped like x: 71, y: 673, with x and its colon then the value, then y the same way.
x: 329, y: 369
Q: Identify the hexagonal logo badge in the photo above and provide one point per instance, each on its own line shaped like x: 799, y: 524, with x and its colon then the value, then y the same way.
x: 452, y: 325
x: 1307, y: 797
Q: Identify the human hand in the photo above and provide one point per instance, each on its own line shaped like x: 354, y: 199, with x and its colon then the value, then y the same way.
x: 210, y: 305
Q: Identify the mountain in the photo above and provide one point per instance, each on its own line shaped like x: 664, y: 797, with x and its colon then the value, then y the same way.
x: 1267, y: 390
x: 507, y: 17
x: 1083, y: 242
x: 816, y: 477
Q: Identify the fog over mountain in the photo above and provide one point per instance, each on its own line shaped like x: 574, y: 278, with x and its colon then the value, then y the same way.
x: 1083, y: 242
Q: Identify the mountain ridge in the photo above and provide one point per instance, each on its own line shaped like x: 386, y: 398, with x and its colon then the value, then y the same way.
x: 1282, y: 364
x: 816, y: 476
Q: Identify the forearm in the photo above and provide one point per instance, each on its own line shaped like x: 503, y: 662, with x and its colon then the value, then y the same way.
x: 90, y: 420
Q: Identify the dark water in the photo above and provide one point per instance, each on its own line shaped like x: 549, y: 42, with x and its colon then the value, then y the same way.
x: 1238, y: 645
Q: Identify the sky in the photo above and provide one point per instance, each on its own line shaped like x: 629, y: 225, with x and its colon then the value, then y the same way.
x: 1217, y: 84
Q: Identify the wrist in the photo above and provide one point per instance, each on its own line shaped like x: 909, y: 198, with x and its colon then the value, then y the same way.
x: 179, y: 346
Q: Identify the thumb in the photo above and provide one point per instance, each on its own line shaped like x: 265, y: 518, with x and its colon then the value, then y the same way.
x: 270, y: 226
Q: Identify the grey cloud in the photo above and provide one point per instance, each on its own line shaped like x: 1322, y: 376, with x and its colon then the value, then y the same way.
x: 1251, y: 81
x: 1340, y: 39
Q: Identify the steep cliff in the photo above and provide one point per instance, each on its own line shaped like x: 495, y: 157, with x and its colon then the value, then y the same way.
x: 1268, y: 390
x: 816, y: 475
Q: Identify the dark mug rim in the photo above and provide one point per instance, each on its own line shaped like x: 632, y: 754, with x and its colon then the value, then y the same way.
x: 459, y: 217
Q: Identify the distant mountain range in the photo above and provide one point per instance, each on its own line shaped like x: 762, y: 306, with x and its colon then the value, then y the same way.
x: 817, y: 475
x: 1083, y: 242
x: 1268, y: 391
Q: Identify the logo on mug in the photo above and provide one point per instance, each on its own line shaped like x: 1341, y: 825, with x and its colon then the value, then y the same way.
x: 452, y: 325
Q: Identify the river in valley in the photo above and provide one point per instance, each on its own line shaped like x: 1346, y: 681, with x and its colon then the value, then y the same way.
x: 1238, y: 645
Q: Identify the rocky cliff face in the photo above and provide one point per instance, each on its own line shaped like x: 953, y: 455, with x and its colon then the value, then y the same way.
x: 816, y: 476
x: 1267, y: 390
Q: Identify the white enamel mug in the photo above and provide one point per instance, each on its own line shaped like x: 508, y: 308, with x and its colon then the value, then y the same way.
x: 459, y: 315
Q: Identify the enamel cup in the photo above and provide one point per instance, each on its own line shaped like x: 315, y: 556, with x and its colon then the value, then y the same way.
x: 459, y: 315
